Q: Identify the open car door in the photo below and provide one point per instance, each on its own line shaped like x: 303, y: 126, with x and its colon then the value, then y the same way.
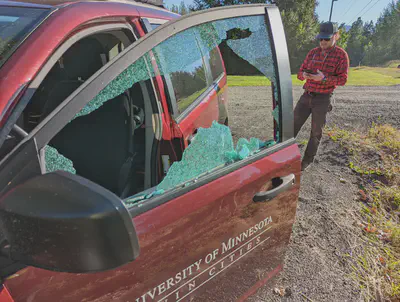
x: 215, y: 228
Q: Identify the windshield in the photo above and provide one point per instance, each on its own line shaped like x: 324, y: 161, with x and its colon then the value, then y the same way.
x: 16, y: 23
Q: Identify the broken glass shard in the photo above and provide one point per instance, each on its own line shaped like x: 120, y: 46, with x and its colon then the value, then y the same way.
x: 211, y: 148
x: 275, y: 114
x: 56, y: 161
x: 204, y: 154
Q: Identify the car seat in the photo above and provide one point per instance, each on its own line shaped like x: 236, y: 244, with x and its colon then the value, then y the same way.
x: 100, y: 144
x: 77, y: 65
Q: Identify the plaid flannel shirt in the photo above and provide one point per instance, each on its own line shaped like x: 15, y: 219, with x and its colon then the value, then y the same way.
x: 334, y: 64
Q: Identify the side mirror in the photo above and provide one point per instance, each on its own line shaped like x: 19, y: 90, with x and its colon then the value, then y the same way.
x: 63, y: 222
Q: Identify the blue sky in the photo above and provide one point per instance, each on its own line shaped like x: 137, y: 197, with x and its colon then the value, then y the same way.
x: 346, y: 11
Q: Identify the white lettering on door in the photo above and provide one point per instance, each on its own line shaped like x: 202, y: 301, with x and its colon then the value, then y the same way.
x: 244, y: 243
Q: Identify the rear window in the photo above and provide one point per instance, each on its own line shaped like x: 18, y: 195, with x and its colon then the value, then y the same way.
x: 188, y: 78
x: 16, y: 23
x: 213, y: 56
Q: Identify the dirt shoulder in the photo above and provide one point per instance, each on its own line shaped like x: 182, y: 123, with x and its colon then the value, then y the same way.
x: 325, y: 233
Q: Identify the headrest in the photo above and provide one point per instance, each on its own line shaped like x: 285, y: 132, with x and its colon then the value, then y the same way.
x: 83, y: 59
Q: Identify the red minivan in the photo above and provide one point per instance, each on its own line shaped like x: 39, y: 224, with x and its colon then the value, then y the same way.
x: 120, y: 176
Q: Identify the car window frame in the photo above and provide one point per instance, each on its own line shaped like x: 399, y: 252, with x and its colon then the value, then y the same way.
x: 150, y: 21
x: 72, y: 40
x: 53, y: 123
x: 26, y: 91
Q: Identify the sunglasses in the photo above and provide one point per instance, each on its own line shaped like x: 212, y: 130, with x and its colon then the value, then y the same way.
x: 327, y: 39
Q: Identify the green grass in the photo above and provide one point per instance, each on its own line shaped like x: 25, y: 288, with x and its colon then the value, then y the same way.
x: 303, y: 142
x: 392, y: 64
x: 373, y: 76
x: 392, y: 72
x: 186, y: 102
x: 376, y: 267
x: 358, y: 76
x: 256, y: 81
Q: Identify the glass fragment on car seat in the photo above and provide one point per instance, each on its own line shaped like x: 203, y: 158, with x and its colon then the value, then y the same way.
x: 55, y: 161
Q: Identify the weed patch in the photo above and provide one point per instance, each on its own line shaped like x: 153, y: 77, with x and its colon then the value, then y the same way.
x: 375, y: 156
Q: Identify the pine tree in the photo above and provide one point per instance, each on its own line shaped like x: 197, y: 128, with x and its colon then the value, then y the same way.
x: 385, y: 43
x: 344, y: 36
x: 182, y: 9
x: 357, y: 43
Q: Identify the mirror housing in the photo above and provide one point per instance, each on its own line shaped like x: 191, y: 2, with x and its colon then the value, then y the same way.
x: 63, y: 222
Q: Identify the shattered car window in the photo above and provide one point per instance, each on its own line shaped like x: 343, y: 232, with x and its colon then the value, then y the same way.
x: 212, y: 148
x: 55, y: 161
x: 208, y: 151
x: 138, y: 71
x: 254, y: 108
x: 245, y: 94
x: 189, y: 79
x: 243, y: 40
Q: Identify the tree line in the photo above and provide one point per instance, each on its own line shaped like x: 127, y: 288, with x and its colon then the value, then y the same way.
x: 366, y: 43
x: 375, y: 44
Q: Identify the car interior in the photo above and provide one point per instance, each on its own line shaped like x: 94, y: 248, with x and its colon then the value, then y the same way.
x: 106, y: 145
x: 76, y: 65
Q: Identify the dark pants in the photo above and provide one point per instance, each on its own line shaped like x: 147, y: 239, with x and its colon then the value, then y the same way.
x: 318, y: 105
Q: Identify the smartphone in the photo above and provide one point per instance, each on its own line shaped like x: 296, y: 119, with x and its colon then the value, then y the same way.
x: 309, y: 71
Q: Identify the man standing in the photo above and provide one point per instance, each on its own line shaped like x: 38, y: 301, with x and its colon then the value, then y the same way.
x: 324, y: 68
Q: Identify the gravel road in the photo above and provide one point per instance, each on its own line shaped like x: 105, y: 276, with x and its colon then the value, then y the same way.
x: 354, y: 108
x: 316, y: 267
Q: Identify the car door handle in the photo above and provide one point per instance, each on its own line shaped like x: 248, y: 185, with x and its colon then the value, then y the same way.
x: 287, y: 183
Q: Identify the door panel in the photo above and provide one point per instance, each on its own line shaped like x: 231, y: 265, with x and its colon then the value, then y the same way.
x: 202, y: 115
x: 205, y: 239
x: 192, y: 239
x: 219, y: 253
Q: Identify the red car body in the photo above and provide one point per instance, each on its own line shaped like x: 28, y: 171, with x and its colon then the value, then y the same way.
x: 210, y: 243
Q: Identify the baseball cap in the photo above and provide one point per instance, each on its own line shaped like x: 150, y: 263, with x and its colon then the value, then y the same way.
x: 327, y: 29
